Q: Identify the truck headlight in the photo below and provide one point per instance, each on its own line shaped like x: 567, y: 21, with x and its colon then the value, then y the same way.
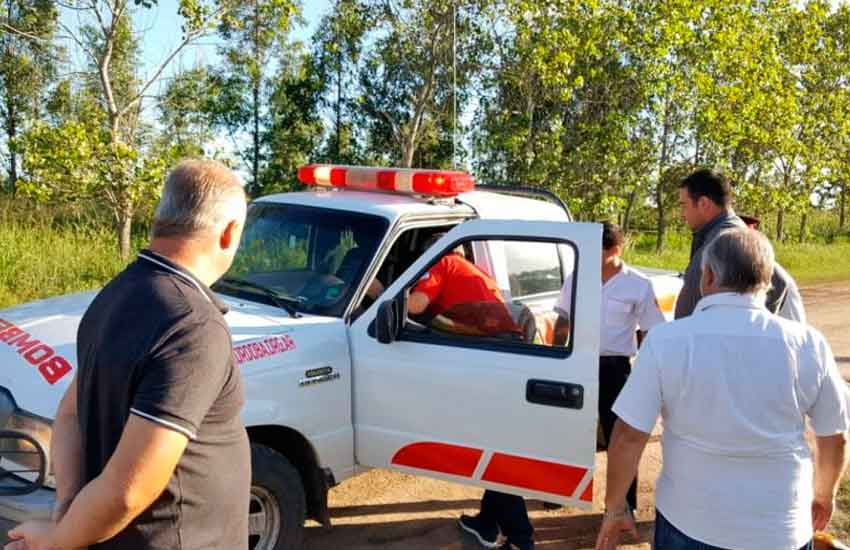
x: 24, y: 445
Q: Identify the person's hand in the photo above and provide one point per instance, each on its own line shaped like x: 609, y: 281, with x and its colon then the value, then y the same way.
x: 33, y: 535
x: 822, y: 507
x: 614, y: 524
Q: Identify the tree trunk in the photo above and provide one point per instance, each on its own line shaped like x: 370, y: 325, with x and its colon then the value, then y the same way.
x: 842, y: 203
x: 659, y: 187
x: 11, y: 126
x: 408, y: 150
x: 255, y: 161
x: 627, y: 214
x: 11, y: 133
x: 123, y: 228
x: 338, y: 105
x: 780, y: 221
x: 697, y: 151
x: 803, y: 219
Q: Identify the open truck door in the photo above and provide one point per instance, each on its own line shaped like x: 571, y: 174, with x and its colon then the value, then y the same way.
x: 498, y: 411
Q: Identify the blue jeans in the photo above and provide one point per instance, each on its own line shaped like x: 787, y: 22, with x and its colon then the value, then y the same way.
x: 668, y: 537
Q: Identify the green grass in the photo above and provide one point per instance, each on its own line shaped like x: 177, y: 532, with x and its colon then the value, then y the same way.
x: 808, y: 263
x: 42, y: 255
x: 46, y: 252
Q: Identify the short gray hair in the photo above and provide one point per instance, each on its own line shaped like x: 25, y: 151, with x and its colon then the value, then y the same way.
x: 741, y: 260
x: 196, y: 198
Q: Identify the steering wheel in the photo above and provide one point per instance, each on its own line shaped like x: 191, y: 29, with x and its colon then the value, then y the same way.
x: 323, y: 289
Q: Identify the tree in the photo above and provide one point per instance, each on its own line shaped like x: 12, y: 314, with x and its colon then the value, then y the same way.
x: 407, y: 81
x: 183, y: 112
x: 107, y: 40
x: 567, y: 115
x: 27, y: 67
x: 339, y: 44
x: 294, y: 129
x: 253, y: 36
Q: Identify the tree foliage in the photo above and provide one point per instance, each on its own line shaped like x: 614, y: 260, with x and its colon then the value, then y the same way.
x: 608, y: 103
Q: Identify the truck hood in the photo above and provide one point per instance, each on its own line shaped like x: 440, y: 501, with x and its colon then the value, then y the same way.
x: 38, y: 351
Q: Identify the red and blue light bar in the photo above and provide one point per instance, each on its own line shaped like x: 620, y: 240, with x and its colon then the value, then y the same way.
x: 443, y: 183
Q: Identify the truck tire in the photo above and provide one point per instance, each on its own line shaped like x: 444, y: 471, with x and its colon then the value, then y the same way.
x: 278, y: 506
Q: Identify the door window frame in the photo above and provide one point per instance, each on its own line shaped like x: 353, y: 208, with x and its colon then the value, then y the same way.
x: 482, y: 343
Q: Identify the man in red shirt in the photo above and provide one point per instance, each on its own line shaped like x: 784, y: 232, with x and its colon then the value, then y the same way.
x: 466, y: 300
x: 462, y: 298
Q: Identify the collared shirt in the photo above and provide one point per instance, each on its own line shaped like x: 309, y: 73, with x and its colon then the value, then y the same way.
x: 154, y: 344
x: 457, y: 289
x: 734, y: 384
x: 628, y: 304
x: 455, y: 280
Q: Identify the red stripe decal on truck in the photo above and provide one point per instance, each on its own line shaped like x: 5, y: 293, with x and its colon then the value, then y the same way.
x: 439, y: 457
x: 587, y: 495
x: 534, y: 475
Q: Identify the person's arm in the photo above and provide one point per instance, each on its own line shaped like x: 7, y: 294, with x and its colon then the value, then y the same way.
x: 376, y: 288
x: 792, y: 306
x: 417, y: 303
x: 177, y: 385
x: 830, y: 419
x: 690, y: 293
x: 563, y: 305
x: 831, y: 458
x: 134, y: 477
x: 66, y: 451
x: 624, y: 452
x: 561, y: 333
x: 637, y: 408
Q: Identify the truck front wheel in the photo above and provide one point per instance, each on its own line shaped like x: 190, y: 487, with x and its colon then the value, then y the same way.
x: 277, y: 509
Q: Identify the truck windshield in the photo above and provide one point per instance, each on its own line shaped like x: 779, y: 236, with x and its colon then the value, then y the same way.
x: 308, y: 259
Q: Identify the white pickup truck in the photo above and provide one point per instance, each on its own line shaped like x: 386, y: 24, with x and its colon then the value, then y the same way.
x: 337, y: 382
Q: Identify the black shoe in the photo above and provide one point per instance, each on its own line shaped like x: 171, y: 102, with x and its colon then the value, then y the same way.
x: 510, y: 546
x: 488, y: 537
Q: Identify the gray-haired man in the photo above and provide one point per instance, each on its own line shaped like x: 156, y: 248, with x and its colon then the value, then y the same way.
x: 734, y: 385
x: 148, y: 446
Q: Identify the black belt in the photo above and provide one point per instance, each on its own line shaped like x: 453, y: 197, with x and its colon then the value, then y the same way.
x: 614, y: 359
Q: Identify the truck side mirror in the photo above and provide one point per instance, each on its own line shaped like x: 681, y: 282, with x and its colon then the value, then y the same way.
x: 389, y: 320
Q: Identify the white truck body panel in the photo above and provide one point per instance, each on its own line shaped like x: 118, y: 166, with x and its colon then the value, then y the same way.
x: 416, y: 406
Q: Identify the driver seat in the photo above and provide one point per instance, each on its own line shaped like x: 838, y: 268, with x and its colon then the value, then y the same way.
x: 351, y: 264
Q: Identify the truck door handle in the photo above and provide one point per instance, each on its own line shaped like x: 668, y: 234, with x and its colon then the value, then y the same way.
x: 554, y: 394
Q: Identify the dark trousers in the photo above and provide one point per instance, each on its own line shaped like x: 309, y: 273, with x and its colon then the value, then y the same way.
x: 509, y: 514
x: 613, y: 373
x: 667, y: 537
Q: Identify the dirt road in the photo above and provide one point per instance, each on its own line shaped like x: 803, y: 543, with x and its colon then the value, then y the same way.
x: 383, y: 509
x: 387, y: 510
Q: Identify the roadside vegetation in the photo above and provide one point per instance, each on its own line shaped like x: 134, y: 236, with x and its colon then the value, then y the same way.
x: 823, y: 258
x: 48, y: 251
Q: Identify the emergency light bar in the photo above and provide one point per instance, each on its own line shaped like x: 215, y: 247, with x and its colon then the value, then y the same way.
x: 443, y: 183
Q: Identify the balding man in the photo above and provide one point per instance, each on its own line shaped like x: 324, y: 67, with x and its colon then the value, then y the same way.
x: 734, y: 385
x: 148, y: 447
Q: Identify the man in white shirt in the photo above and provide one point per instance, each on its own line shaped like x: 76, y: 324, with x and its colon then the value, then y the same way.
x: 628, y: 304
x: 734, y: 385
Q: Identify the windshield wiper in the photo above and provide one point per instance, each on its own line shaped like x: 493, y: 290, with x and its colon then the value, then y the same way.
x: 280, y: 300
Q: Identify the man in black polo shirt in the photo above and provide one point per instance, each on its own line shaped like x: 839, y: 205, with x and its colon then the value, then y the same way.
x: 149, y: 449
